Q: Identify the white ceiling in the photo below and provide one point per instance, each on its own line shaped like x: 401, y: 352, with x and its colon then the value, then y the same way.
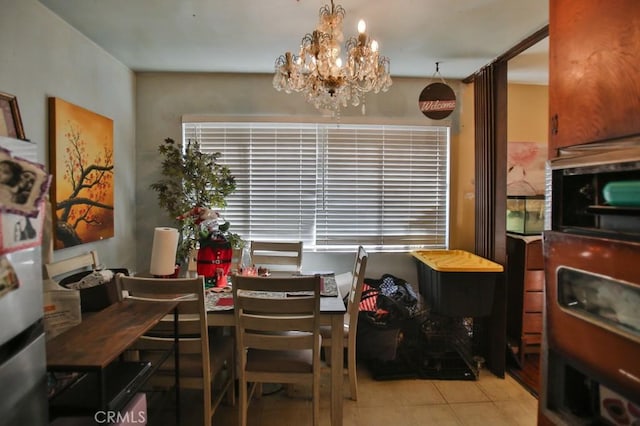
x: 247, y: 35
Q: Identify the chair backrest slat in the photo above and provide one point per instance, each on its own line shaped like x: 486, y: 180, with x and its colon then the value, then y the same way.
x: 293, y: 322
x: 271, y: 342
x: 281, y: 255
x: 284, y: 304
x: 83, y: 261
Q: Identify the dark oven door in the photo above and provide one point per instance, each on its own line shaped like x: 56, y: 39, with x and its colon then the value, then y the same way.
x: 593, y: 306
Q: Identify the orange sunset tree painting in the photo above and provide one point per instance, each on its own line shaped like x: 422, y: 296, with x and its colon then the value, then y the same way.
x: 81, y: 162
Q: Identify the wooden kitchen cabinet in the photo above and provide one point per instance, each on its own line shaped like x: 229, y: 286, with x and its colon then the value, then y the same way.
x: 525, y: 294
x: 594, y: 71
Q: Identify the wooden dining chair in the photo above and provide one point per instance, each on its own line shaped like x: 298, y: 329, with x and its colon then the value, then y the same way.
x: 202, y: 360
x: 85, y: 261
x: 350, y: 321
x: 73, y: 269
x: 277, y: 255
x: 277, y: 335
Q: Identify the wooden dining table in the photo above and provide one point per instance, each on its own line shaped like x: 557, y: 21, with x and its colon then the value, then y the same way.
x: 332, y: 310
x: 94, y: 346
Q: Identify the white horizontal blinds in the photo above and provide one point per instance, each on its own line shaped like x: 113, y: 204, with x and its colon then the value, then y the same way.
x: 384, y: 187
x: 234, y: 144
x: 275, y: 172
x: 334, y: 185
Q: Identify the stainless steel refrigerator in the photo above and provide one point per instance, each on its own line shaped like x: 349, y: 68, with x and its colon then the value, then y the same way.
x: 23, y: 387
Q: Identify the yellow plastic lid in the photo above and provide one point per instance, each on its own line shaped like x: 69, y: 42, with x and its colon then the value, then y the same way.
x: 456, y: 261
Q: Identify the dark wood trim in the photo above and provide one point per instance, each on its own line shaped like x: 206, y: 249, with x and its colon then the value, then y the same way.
x: 528, y: 42
x: 523, y: 45
x: 490, y: 102
x: 490, y: 94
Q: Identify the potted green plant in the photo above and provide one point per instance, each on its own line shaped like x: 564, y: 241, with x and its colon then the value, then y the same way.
x: 192, y: 179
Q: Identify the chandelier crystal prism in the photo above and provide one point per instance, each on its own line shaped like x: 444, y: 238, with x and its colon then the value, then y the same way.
x: 318, y: 72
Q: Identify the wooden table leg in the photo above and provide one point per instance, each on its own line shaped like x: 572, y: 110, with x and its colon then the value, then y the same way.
x: 337, y: 362
x: 176, y: 362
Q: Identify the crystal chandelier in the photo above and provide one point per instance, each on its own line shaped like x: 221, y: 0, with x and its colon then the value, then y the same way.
x: 318, y: 72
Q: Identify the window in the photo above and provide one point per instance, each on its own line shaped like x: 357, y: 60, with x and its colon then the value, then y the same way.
x: 334, y: 186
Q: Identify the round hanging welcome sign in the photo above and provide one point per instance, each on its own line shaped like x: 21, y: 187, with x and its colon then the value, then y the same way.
x: 437, y: 101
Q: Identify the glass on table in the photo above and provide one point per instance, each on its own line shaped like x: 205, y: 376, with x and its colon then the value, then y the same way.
x: 251, y: 271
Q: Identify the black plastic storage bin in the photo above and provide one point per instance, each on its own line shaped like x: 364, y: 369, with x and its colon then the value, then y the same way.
x: 96, y: 298
x: 456, y: 282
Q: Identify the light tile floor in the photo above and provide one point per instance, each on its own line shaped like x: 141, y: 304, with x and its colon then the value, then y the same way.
x: 487, y: 401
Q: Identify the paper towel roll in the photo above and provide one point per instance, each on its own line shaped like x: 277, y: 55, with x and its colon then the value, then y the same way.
x: 163, y: 252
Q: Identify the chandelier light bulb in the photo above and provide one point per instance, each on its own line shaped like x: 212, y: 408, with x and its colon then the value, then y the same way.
x: 362, y: 26
x: 339, y: 62
x: 374, y: 46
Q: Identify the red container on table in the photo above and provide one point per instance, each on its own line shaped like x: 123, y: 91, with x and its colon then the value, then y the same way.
x: 214, y: 255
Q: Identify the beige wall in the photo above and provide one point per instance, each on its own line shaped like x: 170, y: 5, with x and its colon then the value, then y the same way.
x: 463, y: 177
x: 43, y: 56
x: 528, y: 122
x: 528, y: 113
